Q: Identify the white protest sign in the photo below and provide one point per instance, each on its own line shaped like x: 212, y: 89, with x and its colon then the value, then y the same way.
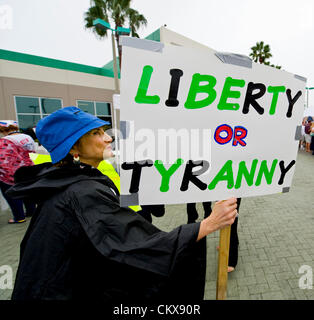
x: 197, y: 129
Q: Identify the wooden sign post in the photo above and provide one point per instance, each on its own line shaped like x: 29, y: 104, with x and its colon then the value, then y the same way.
x: 222, y: 275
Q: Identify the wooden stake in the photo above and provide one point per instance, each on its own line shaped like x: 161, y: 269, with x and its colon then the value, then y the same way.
x: 222, y: 276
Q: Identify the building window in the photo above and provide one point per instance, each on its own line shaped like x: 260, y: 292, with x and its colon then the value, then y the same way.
x: 30, y: 110
x: 49, y: 105
x: 99, y: 109
x: 27, y: 121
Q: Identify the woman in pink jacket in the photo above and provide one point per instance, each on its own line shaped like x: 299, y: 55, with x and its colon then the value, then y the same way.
x: 14, y: 153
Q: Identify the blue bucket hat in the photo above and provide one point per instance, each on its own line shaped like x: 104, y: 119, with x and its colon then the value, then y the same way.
x: 59, y: 131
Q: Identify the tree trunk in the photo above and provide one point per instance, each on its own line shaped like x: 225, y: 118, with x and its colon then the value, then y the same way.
x: 119, y: 51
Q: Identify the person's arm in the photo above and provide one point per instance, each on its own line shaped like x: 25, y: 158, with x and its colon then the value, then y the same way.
x: 121, y: 235
x: 223, y: 214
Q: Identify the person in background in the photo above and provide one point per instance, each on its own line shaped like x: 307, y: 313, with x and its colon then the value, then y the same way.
x: 312, y: 137
x: 14, y: 153
x: 307, y: 135
x: 302, y: 140
x: 31, y: 131
x: 84, y: 232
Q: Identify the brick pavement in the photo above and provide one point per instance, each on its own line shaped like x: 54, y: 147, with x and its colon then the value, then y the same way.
x: 276, y: 234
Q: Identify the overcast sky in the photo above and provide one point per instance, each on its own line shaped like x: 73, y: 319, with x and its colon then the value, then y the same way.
x: 55, y: 29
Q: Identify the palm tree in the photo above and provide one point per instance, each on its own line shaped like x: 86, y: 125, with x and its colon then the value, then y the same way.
x: 119, y: 12
x: 260, y: 52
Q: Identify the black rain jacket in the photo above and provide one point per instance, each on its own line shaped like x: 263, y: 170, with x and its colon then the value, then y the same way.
x: 81, y: 245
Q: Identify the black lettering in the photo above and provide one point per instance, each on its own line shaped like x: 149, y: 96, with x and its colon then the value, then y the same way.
x: 190, y: 176
x: 284, y: 170
x: 292, y: 101
x: 172, y: 101
x: 250, y: 98
x: 137, y: 171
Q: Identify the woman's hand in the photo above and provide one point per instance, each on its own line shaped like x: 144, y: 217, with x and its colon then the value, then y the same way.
x: 223, y: 214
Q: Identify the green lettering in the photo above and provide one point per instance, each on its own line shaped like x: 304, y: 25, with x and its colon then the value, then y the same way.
x: 243, y: 172
x: 166, y: 174
x: 225, y: 174
x: 263, y: 170
x: 141, y: 96
x: 196, y: 88
x: 227, y: 93
x: 275, y: 91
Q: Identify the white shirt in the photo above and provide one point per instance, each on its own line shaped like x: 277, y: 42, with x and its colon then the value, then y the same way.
x: 23, y: 140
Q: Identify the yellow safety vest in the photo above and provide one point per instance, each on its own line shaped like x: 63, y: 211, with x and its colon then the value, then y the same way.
x: 105, y: 167
x: 40, y: 158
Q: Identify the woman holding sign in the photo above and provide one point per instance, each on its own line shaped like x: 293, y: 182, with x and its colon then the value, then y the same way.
x: 80, y: 243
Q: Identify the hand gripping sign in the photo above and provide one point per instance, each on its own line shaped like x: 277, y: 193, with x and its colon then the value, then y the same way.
x: 199, y: 126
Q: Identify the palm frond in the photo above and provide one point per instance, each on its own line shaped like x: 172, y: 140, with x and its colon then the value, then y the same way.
x: 261, y: 53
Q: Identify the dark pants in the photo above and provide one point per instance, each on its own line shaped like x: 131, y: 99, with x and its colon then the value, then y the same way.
x: 16, y: 205
x: 234, y: 240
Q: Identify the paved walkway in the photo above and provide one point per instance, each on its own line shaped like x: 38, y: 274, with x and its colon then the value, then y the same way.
x: 276, y: 236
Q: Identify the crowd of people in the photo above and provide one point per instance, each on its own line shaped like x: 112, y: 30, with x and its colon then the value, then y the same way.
x: 78, y: 226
